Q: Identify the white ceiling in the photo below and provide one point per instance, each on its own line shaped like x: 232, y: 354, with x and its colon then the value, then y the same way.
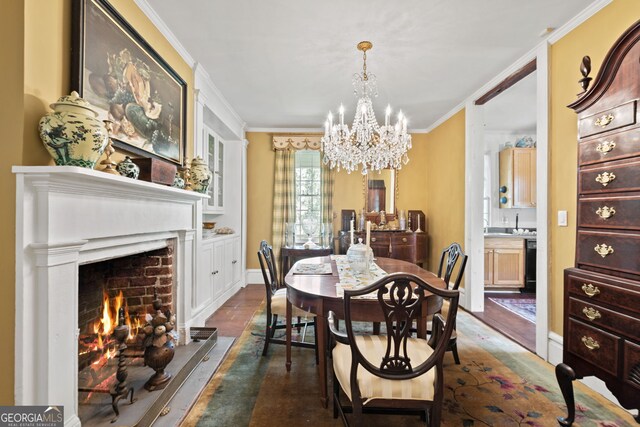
x: 286, y: 63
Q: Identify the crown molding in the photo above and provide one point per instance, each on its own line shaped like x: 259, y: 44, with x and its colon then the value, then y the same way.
x: 164, y: 29
x: 446, y: 117
x: 287, y: 130
x: 574, y: 22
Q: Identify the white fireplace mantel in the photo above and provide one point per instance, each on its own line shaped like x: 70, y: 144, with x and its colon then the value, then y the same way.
x: 67, y: 216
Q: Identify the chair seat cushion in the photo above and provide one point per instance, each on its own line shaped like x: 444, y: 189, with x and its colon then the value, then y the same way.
x: 279, y: 305
x: 373, y: 348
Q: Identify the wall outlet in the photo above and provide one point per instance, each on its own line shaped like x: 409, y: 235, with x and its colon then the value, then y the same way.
x: 562, y: 218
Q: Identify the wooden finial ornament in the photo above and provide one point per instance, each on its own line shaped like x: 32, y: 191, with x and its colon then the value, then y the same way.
x: 585, y: 69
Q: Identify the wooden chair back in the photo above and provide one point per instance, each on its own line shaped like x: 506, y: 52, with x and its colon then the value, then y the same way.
x: 268, y: 267
x: 448, y: 261
x: 400, y: 296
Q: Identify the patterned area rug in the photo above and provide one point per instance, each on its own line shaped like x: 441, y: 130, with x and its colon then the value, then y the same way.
x: 523, y: 307
x: 498, y: 383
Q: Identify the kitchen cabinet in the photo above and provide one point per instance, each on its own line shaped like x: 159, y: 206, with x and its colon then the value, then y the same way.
x: 518, y: 178
x: 503, y: 262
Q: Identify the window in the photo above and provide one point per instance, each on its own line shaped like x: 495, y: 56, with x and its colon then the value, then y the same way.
x: 308, y: 195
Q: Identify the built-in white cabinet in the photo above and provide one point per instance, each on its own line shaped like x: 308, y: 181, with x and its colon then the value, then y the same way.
x: 219, y: 272
x: 220, y: 141
x: 214, y: 153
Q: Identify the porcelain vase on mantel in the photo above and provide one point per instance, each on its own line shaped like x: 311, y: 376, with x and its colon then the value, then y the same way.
x: 128, y: 168
x: 200, y: 175
x: 72, y: 133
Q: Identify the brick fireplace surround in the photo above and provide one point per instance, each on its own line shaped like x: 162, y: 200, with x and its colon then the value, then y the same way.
x: 137, y: 276
x: 67, y: 217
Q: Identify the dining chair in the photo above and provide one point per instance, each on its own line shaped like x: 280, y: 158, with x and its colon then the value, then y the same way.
x: 392, y: 372
x: 448, y: 260
x: 276, y: 305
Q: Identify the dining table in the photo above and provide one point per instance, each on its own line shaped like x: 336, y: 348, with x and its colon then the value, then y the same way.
x: 318, y: 291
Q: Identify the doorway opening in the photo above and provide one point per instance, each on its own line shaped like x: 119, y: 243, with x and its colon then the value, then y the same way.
x: 506, y: 193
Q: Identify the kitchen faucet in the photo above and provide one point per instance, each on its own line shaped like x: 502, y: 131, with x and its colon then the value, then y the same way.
x: 516, y: 221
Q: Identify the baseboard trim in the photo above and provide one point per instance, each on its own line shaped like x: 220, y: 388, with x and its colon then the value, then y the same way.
x: 254, y: 276
x: 554, y: 348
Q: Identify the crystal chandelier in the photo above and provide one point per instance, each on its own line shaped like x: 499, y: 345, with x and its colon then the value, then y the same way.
x: 367, y: 144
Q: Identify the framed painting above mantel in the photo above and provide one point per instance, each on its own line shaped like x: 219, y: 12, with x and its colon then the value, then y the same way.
x: 120, y: 74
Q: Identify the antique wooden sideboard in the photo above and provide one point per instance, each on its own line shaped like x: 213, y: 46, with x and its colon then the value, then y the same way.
x: 405, y: 245
x: 602, y: 291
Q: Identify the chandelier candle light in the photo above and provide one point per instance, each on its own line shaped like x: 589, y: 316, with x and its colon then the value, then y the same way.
x: 367, y: 144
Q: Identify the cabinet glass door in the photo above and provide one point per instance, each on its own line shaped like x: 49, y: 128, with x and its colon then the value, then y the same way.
x: 211, y: 145
x: 214, y: 147
x: 218, y: 175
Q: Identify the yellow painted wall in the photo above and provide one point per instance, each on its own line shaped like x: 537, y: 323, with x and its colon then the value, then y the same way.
x: 260, y: 167
x: 594, y: 38
x: 348, y: 192
x: 11, y: 73
x: 36, y: 42
x: 444, y: 186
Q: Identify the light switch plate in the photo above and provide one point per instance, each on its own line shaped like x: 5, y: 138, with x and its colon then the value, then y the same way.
x: 562, y: 218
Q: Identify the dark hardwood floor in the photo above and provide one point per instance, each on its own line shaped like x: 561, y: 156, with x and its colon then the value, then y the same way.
x: 235, y: 314
x: 508, y: 323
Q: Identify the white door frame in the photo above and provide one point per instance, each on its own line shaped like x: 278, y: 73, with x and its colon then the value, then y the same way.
x: 474, y: 177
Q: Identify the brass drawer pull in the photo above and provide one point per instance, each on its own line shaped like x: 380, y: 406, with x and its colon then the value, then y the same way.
x: 603, y: 250
x: 590, y: 343
x: 606, y: 212
x: 604, y: 121
x: 605, y: 178
x: 404, y: 240
x: 605, y: 146
x: 373, y: 239
x: 590, y: 290
x: 591, y: 313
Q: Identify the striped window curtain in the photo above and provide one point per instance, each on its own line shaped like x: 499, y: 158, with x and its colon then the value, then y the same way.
x: 284, y: 195
x: 327, y: 177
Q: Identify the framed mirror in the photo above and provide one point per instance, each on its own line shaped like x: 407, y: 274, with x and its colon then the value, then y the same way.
x: 380, y: 191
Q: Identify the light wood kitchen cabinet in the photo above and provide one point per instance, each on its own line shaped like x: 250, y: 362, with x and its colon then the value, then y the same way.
x: 518, y: 178
x: 504, y: 262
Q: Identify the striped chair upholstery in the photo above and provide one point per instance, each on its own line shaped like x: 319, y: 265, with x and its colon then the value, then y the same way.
x: 371, y: 387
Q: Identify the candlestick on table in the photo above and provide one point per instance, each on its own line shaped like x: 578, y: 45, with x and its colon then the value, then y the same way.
x: 368, y: 233
x: 351, y: 232
x: 418, y: 229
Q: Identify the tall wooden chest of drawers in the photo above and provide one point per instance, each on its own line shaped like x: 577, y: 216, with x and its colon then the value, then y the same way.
x: 602, y: 291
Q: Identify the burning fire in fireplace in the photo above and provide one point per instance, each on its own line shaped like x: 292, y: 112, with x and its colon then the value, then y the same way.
x: 98, y: 345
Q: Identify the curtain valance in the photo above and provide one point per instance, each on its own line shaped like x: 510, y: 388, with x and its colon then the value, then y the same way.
x: 296, y: 142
